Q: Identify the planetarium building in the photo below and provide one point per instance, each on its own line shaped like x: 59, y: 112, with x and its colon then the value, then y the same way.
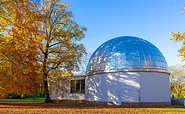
x: 127, y: 69
x: 123, y: 70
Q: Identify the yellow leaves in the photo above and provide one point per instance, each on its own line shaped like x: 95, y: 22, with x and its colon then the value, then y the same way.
x: 179, y: 36
x: 40, y: 40
x: 45, y: 9
x: 20, y: 47
x: 183, y: 48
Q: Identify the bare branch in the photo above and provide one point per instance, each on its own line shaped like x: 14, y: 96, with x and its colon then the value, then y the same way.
x: 53, y: 44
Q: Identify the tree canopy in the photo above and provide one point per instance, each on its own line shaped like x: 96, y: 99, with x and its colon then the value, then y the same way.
x: 177, y: 73
x: 38, y: 39
x: 177, y: 80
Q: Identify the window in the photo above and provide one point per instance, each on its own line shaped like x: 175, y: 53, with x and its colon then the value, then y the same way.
x: 78, y: 86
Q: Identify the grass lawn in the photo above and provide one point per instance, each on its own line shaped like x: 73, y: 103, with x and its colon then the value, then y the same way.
x: 28, y: 99
x: 81, y: 107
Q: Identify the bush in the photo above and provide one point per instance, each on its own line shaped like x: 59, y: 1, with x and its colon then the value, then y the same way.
x: 13, y: 96
x: 16, y: 96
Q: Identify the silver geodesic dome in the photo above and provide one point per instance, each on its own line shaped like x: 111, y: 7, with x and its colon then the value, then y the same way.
x: 126, y: 53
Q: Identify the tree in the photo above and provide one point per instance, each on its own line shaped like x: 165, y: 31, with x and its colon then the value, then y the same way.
x: 19, y: 46
x: 41, y: 37
x: 180, y: 37
x: 60, y: 48
x: 177, y: 79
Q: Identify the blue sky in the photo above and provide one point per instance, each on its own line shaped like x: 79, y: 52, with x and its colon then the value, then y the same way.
x: 152, y: 20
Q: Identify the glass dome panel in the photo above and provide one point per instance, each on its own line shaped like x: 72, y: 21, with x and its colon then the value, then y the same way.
x: 126, y: 53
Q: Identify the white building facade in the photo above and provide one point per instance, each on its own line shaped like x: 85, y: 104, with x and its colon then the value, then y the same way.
x: 70, y: 88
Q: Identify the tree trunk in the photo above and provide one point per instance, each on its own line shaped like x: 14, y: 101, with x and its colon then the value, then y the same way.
x: 46, y: 90
x: 45, y: 77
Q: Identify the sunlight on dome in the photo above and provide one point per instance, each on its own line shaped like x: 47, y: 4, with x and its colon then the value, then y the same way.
x: 126, y: 53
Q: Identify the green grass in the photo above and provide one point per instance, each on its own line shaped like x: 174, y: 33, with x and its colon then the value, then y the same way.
x: 28, y: 99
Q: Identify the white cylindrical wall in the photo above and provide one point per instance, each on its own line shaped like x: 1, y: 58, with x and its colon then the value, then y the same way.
x: 128, y: 87
x: 154, y: 87
x: 113, y: 87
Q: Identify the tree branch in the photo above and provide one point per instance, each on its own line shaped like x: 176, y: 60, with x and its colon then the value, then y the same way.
x: 55, y: 67
x: 53, y: 44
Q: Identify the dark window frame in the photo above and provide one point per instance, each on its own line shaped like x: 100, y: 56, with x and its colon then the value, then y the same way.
x: 78, y: 86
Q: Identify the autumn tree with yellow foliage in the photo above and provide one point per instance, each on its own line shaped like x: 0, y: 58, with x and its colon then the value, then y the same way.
x: 20, y: 70
x: 177, y: 80
x: 180, y: 37
x: 42, y: 39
